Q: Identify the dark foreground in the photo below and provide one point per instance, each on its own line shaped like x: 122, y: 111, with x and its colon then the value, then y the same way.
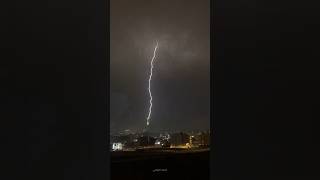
x: 159, y: 165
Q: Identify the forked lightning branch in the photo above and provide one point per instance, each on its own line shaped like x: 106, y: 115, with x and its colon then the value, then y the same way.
x: 149, y: 87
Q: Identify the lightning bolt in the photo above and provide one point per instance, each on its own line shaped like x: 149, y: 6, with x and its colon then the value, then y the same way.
x: 149, y: 88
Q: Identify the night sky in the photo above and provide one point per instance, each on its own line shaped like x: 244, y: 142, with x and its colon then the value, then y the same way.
x: 181, y: 75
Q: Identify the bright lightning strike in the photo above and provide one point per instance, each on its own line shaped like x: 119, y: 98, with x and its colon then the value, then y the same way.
x: 149, y: 88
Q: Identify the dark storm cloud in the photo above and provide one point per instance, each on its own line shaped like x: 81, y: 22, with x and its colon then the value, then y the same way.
x: 180, y: 85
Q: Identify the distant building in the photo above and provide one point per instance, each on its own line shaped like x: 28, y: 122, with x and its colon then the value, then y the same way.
x: 181, y: 138
x: 146, y: 141
x: 117, y: 146
x: 157, y: 143
x: 165, y: 143
x: 192, y: 140
x: 165, y: 136
x: 201, y: 138
x: 162, y: 143
x: 126, y: 140
x: 204, y: 138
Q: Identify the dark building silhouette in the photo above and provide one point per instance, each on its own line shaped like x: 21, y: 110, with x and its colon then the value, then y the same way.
x: 165, y: 143
x: 146, y: 141
x: 204, y: 138
x: 179, y: 139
